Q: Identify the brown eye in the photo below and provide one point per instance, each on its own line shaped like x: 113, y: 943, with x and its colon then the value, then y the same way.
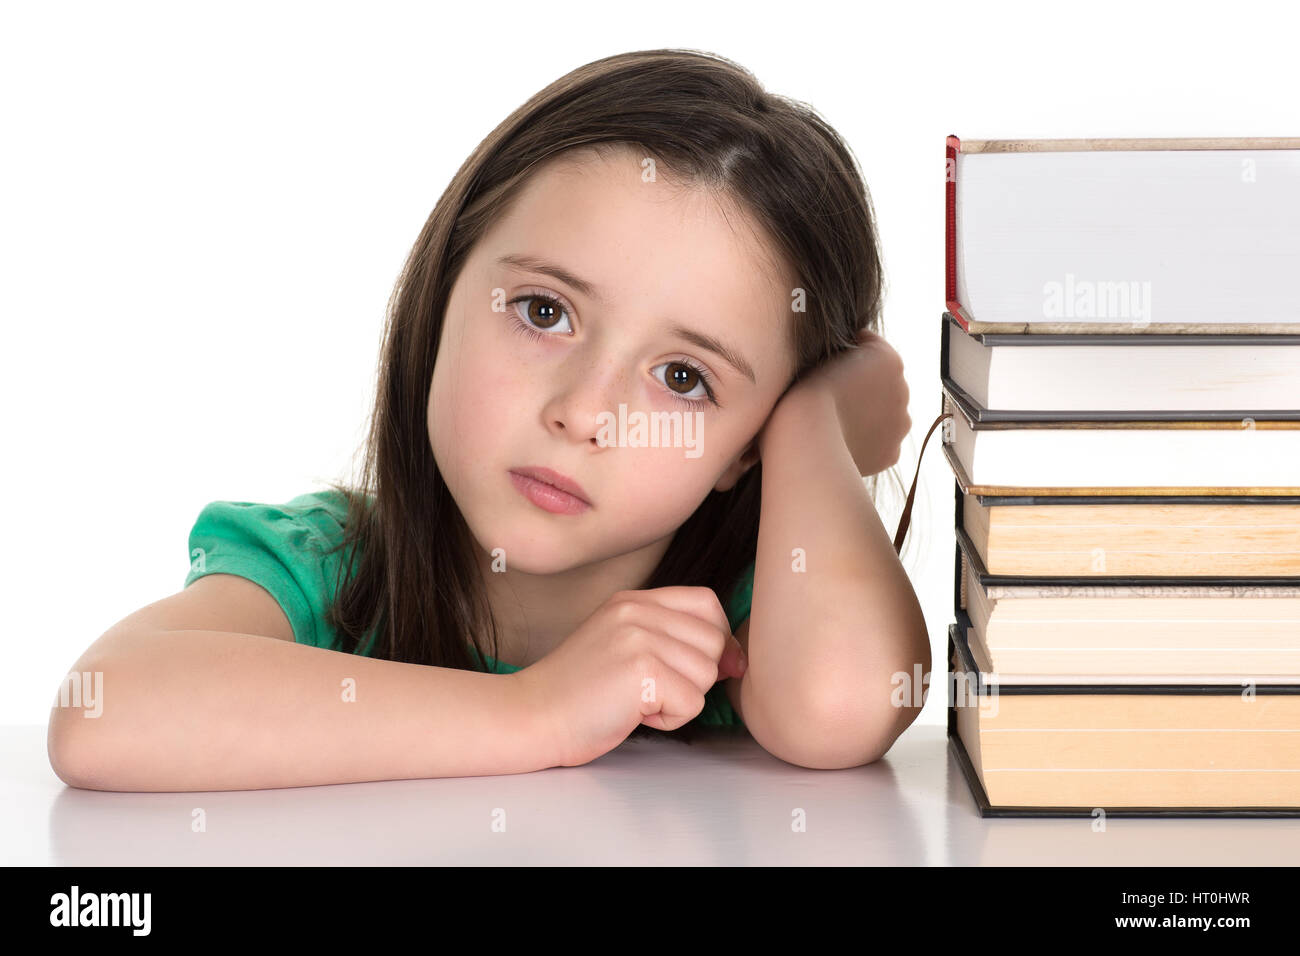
x: 544, y: 312
x: 681, y: 377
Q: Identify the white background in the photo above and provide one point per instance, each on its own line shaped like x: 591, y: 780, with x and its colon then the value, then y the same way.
x: 203, y: 209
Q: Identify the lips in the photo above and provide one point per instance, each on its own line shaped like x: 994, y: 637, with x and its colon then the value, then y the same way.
x: 555, y: 480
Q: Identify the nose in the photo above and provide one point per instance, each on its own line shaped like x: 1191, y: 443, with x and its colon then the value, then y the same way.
x: 580, y: 393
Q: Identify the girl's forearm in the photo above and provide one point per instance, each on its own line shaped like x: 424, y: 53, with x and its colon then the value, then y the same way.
x: 834, y: 616
x: 210, y: 710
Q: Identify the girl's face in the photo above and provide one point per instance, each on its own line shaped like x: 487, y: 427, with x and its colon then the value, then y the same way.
x: 583, y: 311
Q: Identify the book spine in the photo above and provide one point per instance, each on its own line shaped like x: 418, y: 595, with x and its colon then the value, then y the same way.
x: 950, y: 233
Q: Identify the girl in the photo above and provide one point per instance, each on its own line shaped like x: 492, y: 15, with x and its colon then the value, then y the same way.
x: 525, y: 573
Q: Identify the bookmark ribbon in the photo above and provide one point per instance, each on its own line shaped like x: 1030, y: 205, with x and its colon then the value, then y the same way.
x: 911, y: 495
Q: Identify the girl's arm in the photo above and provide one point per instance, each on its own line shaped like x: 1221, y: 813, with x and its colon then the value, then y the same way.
x: 186, y: 710
x: 834, y: 617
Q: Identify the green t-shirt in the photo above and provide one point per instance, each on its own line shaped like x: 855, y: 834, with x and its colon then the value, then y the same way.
x: 284, y: 548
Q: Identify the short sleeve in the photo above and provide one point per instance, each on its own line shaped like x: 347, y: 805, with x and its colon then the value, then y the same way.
x: 282, y: 547
x: 741, y: 596
x: 718, y: 711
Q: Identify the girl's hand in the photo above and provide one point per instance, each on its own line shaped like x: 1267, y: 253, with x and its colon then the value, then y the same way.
x: 644, y: 657
x: 865, y: 389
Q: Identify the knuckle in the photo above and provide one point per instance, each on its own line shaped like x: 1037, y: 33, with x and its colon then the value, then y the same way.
x: 708, y: 599
x: 644, y: 661
x: 624, y: 609
x: 631, y: 636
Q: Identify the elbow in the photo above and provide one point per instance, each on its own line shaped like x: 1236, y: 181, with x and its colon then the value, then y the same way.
x: 836, y: 724
x: 77, y: 748
x: 840, y: 734
x: 66, y: 754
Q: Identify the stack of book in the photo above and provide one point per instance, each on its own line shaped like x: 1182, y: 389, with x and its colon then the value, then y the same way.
x: 1121, y: 363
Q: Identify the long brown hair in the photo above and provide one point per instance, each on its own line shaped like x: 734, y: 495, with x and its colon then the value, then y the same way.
x: 410, y: 570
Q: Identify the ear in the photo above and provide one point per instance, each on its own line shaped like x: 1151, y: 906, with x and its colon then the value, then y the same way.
x: 747, y: 460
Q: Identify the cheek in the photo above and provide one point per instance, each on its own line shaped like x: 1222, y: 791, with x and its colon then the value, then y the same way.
x: 474, y: 397
x: 661, y: 486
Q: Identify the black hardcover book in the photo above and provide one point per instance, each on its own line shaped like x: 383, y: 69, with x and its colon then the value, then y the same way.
x: 962, y: 668
x: 978, y: 415
x: 967, y: 546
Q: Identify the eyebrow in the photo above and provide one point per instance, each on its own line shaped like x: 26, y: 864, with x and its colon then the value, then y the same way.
x: 700, y: 339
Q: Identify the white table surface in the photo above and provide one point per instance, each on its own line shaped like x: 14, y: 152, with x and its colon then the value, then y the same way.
x: 723, y: 800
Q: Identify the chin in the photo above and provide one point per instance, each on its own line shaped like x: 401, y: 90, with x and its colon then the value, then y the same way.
x: 539, y: 553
